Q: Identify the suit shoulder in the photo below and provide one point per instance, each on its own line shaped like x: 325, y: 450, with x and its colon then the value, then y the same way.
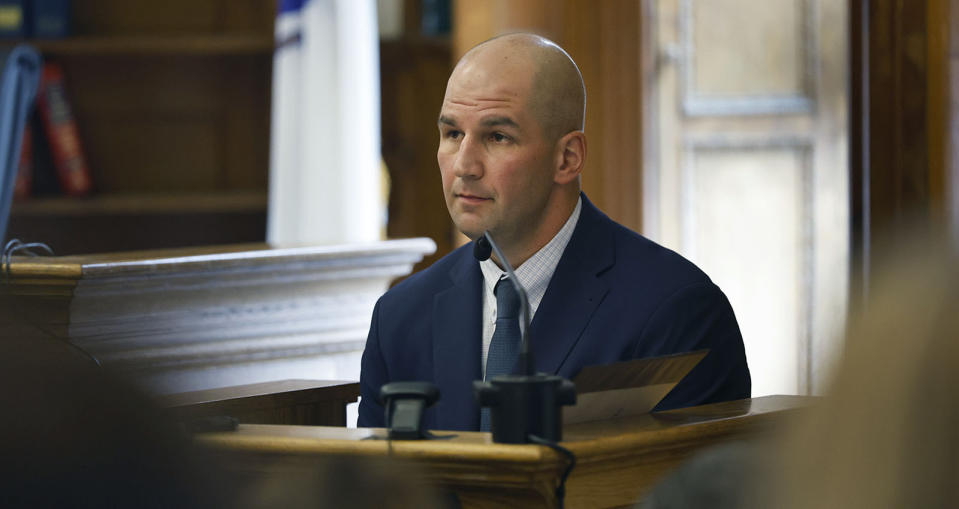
x: 641, y: 254
x: 430, y: 279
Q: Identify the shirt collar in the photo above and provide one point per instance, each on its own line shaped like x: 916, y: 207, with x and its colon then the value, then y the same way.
x: 534, y: 274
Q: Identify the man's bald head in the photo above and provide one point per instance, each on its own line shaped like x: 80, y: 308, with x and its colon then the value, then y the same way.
x: 511, y: 147
x: 557, y: 95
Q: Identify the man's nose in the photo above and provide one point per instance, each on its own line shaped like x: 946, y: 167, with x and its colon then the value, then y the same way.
x: 468, y: 163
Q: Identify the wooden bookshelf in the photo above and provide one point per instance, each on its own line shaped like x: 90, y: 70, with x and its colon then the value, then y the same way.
x: 413, y: 73
x: 199, y: 203
x: 130, y: 222
x: 183, y: 45
x: 172, y: 104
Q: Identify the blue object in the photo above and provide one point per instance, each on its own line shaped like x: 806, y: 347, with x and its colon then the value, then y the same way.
x: 291, y: 6
x: 50, y: 19
x: 13, y: 19
x: 436, y: 18
x: 18, y: 89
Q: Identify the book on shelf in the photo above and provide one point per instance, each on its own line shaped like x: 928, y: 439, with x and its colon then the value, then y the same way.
x: 60, y: 127
x: 50, y: 19
x: 44, y: 182
x: 23, y: 185
x: 13, y: 19
x: 42, y: 19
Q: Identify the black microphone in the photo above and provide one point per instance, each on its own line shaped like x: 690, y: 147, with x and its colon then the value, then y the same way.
x: 524, y: 407
x: 482, y: 249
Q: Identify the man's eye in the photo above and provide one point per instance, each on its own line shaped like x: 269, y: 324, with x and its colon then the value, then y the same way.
x: 499, y: 137
x: 451, y: 134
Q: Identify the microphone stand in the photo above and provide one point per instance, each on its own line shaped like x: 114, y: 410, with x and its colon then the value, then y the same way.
x: 525, y: 407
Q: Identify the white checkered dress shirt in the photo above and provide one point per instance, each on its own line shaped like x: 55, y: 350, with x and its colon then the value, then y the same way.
x: 534, y: 274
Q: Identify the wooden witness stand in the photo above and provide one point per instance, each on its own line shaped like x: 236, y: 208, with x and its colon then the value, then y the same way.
x: 617, y: 460
x: 301, y: 402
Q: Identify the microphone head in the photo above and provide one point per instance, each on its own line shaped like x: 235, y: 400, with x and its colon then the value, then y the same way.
x: 482, y: 249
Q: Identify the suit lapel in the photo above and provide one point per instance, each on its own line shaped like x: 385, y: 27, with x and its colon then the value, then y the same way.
x: 574, y: 292
x: 457, y: 331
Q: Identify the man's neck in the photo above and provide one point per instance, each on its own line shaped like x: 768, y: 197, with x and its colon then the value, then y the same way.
x: 519, y: 251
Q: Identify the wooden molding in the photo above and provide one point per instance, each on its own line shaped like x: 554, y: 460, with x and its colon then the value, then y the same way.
x: 900, y: 108
x: 166, y: 317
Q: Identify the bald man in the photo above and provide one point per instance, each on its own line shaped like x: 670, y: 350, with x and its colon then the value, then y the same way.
x: 511, y: 152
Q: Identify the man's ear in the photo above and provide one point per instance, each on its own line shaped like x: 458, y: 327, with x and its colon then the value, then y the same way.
x: 571, y: 156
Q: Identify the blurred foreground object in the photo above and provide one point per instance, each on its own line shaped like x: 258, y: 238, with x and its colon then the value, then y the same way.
x: 74, y: 435
x: 357, y: 482
x: 888, y: 434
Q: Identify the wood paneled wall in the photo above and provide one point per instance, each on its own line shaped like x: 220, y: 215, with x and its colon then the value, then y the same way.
x: 604, y: 40
x: 951, y: 180
x: 173, y: 17
x: 164, y: 121
x: 900, y: 106
x: 414, y: 73
x: 172, y: 104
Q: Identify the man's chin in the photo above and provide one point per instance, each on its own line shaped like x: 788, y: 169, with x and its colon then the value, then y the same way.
x: 470, y: 225
x: 472, y: 234
x: 473, y: 231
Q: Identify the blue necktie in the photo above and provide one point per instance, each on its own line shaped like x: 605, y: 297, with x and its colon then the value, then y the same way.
x: 504, y: 347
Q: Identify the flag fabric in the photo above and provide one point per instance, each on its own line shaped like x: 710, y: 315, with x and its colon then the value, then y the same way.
x: 20, y: 70
x: 325, y: 174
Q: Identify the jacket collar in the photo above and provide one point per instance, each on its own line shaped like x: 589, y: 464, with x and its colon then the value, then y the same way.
x: 575, y: 290
x: 457, y: 330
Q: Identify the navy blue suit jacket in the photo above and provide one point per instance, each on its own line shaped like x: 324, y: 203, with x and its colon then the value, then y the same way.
x: 615, y: 296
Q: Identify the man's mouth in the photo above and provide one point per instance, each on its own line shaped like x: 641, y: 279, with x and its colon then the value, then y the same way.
x: 471, y: 198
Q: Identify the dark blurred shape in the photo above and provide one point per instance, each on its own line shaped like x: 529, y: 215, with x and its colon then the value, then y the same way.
x: 436, y: 16
x: 887, y: 436
x: 718, y: 478
x: 51, y: 19
x: 74, y: 435
x: 354, y: 482
x: 13, y: 19
x: 887, y: 433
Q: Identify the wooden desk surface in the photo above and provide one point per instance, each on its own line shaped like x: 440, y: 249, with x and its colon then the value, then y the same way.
x: 159, y: 262
x: 617, y: 460
x: 279, y: 389
x: 306, y: 402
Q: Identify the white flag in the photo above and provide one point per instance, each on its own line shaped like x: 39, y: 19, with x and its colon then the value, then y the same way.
x: 325, y: 141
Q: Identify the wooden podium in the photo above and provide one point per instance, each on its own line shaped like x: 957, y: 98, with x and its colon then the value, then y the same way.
x: 617, y: 460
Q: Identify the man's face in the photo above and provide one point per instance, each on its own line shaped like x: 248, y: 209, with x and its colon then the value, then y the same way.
x: 496, y: 164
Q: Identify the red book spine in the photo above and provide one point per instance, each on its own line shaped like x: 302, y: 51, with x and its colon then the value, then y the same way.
x: 23, y: 186
x: 60, y: 127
